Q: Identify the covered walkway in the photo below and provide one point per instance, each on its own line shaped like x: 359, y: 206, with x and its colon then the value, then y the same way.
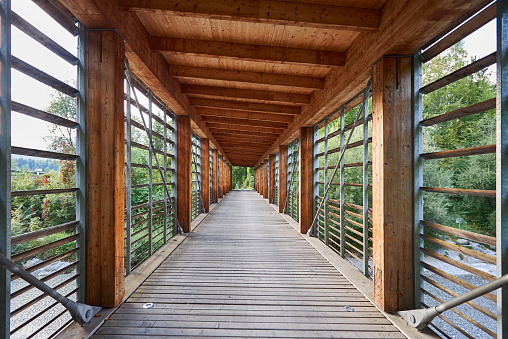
x: 245, y: 272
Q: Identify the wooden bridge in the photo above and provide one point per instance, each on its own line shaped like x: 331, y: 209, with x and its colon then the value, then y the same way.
x: 340, y: 109
x: 245, y: 272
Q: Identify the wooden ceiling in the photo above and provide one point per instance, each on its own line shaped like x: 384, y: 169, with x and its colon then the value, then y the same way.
x: 248, y: 68
x: 251, y: 73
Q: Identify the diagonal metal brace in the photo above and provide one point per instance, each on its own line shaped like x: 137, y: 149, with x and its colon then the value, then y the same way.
x: 81, y: 313
x: 422, y: 317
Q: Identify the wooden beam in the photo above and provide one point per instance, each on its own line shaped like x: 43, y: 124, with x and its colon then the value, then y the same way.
x: 215, y: 172
x: 393, y: 37
x: 248, y: 52
x: 305, y: 172
x: 283, y: 164
x: 242, y: 133
x: 244, y: 137
x: 184, y: 172
x: 260, y: 78
x: 221, y: 174
x: 235, y: 127
x: 272, y: 178
x: 240, y: 93
x: 205, y: 173
x: 237, y: 114
x: 105, y: 162
x: 270, y: 12
x: 245, y: 106
x: 149, y: 66
x: 392, y: 194
x: 245, y: 122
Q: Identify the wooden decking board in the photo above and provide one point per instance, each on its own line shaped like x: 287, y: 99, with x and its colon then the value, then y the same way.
x: 245, y: 273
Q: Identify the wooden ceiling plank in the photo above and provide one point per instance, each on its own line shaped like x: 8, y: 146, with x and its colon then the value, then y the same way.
x: 247, y: 52
x: 244, y: 106
x: 239, y: 93
x: 274, y: 79
x: 270, y: 12
x: 240, y: 132
x: 237, y: 114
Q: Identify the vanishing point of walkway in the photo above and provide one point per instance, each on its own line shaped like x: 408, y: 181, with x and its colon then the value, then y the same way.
x: 246, y: 273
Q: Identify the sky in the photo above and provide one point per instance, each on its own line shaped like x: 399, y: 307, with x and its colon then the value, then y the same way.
x: 29, y: 132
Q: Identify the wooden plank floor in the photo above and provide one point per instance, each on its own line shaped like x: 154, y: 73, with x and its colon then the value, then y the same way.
x: 246, y: 273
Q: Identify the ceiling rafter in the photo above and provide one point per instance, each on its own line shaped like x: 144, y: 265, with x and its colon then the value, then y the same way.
x: 248, y: 52
x: 271, y: 12
x: 274, y: 79
x: 237, y: 114
x: 240, y: 93
x: 245, y: 122
x: 244, y: 106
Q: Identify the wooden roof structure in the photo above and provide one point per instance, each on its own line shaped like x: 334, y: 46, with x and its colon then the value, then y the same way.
x: 251, y: 73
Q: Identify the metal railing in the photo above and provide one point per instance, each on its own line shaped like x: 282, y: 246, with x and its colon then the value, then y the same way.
x: 342, y: 216
x: 455, y: 251
x: 150, y: 175
x: 45, y: 211
x: 291, y: 206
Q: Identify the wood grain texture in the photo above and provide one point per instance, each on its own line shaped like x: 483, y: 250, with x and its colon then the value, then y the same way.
x: 248, y: 52
x: 225, y: 281
x: 283, y: 170
x: 244, y: 106
x: 105, y: 178
x: 392, y: 153
x: 184, y: 172
x: 306, y: 163
x: 272, y: 178
x: 215, y: 174
x: 270, y: 12
x: 238, y: 93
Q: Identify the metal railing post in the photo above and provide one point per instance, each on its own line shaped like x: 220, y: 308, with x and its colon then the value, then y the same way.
x: 5, y: 162
x: 341, y: 161
x: 165, y: 159
x: 365, y: 187
x: 150, y: 177
x: 325, y: 180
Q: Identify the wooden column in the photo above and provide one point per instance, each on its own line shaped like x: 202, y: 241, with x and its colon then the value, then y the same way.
x: 272, y: 178
x: 392, y: 184
x: 215, y: 172
x: 305, y: 178
x: 265, y: 179
x: 205, y: 173
x: 105, y: 162
x: 256, y: 179
x: 184, y: 172
x: 283, y: 172
x: 221, y: 177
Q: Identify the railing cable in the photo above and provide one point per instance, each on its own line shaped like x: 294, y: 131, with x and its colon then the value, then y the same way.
x: 151, y: 147
x: 366, y: 92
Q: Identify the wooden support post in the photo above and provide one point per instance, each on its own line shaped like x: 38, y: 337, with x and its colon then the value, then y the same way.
x: 215, y: 174
x: 205, y: 173
x: 392, y: 184
x: 221, y: 177
x: 105, y: 177
x: 272, y: 178
x: 283, y: 172
x: 265, y: 179
x: 305, y: 178
x: 184, y: 172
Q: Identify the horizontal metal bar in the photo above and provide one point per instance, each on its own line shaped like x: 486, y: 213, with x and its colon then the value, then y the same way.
x: 44, y: 232
x: 43, y: 39
x: 43, y: 77
x: 41, y: 192
x: 460, y: 73
x: 43, y: 154
x: 41, y: 115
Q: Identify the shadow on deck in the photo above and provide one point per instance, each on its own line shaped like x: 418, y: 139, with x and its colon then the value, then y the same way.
x: 245, y: 272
